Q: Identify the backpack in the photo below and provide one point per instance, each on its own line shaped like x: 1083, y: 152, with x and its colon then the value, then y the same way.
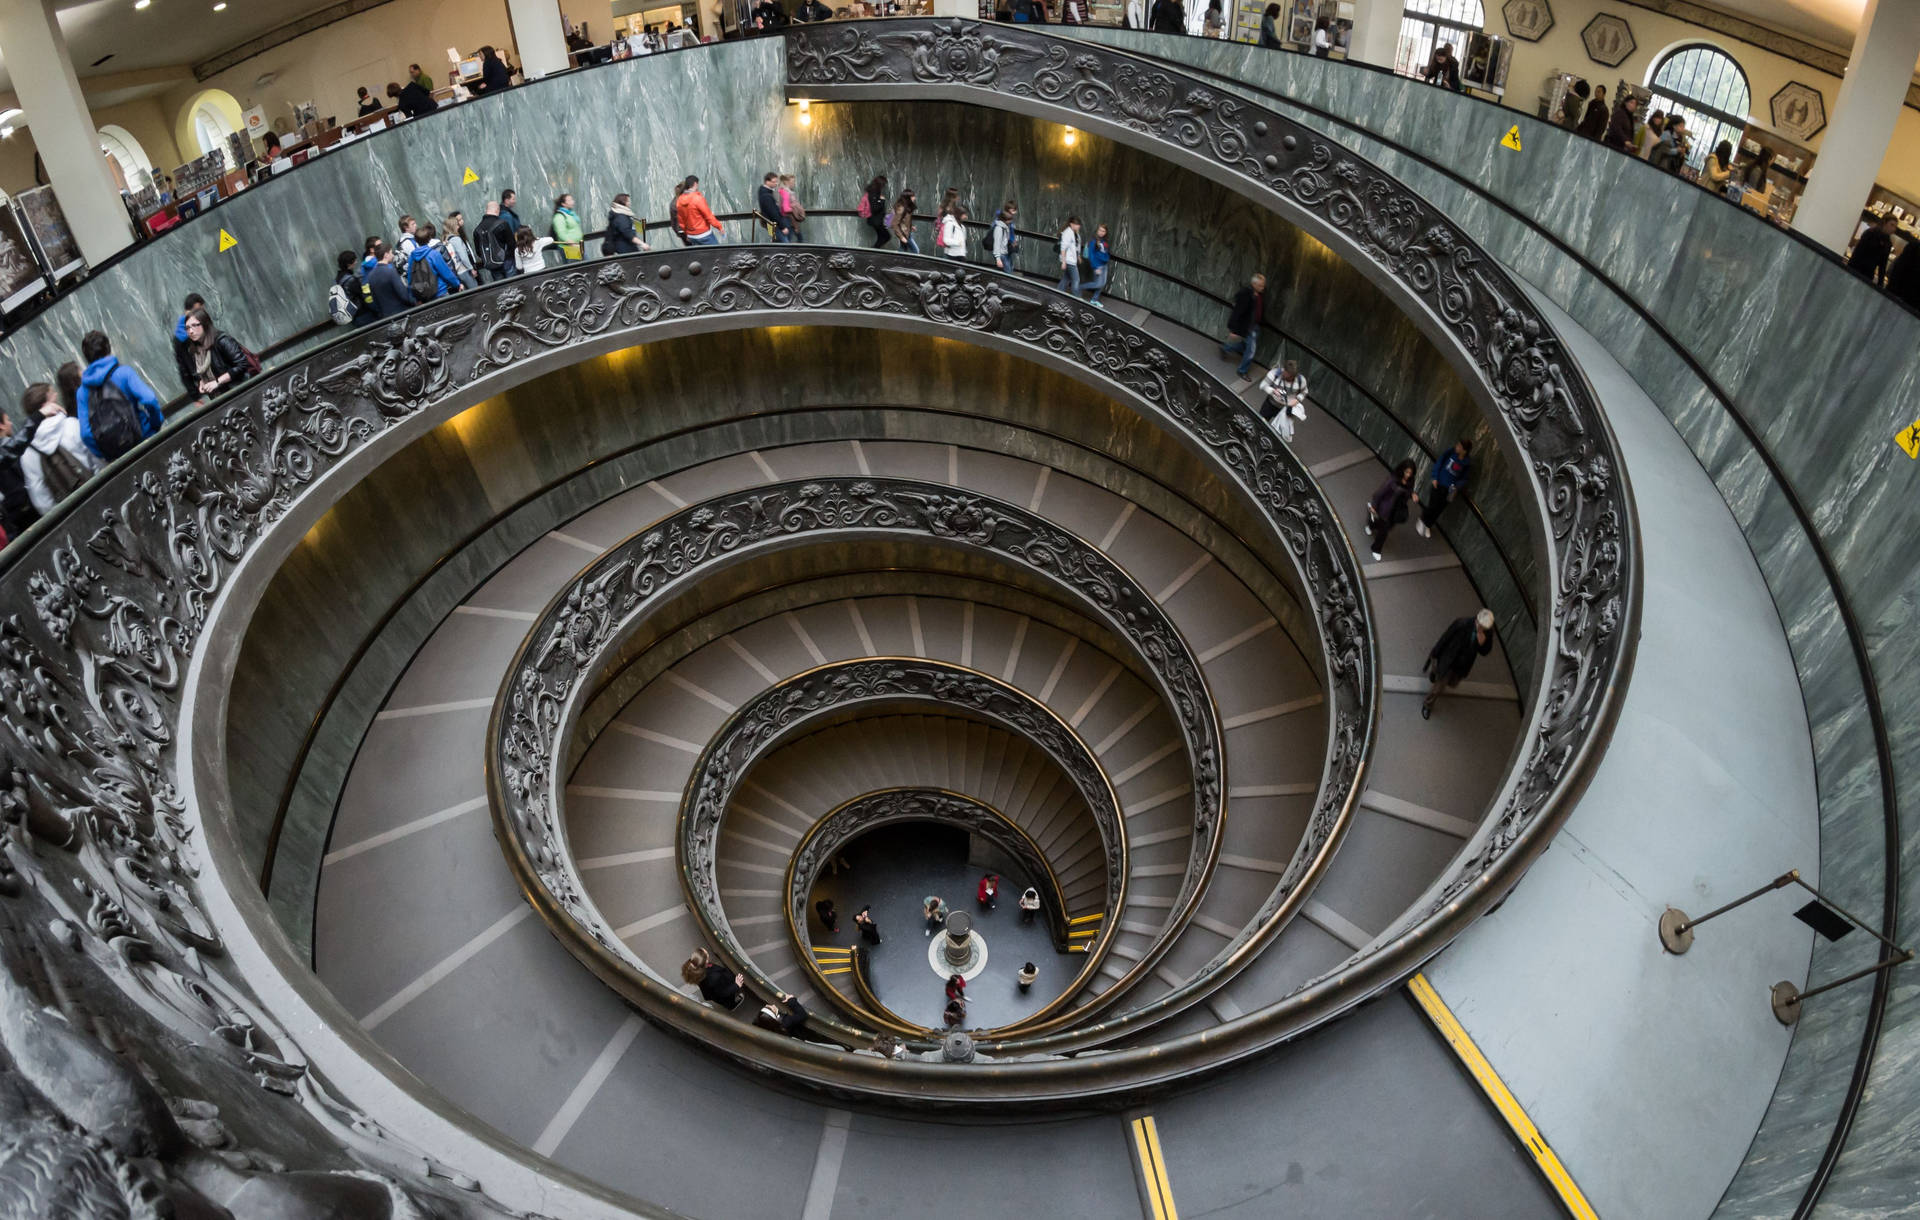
x: 253, y: 361
x: 61, y: 473
x: 113, y: 419
x: 421, y: 280
x: 16, y: 505
x: 866, y: 206
x: 341, y: 302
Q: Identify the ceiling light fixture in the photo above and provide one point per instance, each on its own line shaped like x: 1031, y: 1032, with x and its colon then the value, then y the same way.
x: 1071, y: 137
x: 220, y: 7
x: 140, y: 4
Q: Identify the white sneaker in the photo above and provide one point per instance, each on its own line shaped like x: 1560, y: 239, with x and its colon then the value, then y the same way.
x: 1376, y: 556
x: 1420, y: 528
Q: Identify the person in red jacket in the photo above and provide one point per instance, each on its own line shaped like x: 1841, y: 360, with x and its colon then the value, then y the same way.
x: 696, y: 221
x: 989, y: 890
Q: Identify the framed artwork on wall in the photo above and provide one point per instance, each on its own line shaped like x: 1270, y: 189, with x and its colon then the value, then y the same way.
x: 1608, y: 40
x: 1528, y: 20
x: 1799, y: 111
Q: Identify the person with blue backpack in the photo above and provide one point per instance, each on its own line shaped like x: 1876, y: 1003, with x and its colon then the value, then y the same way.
x: 118, y: 409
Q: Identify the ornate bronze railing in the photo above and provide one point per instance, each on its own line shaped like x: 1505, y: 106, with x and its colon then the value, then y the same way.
x: 1477, y: 315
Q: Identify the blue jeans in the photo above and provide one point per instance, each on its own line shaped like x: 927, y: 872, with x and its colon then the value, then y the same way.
x: 1098, y: 285
x: 710, y: 238
x: 1242, y: 348
x: 1069, y: 279
x: 910, y: 245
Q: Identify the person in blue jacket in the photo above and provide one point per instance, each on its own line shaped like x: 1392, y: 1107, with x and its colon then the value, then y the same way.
x: 428, y: 251
x: 1449, y: 479
x: 104, y: 367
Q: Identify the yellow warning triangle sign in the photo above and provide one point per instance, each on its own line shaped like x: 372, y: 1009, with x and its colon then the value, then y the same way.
x: 1512, y: 138
x: 1909, y: 440
x: 470, y: 178
x: 227, y: 241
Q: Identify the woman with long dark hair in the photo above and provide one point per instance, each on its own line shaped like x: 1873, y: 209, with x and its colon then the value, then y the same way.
x: 1388, y: 507
x: 874, y: 205
x: 218, y: 359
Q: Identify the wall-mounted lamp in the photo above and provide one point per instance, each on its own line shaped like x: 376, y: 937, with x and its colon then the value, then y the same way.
x: 1823, y: 915
x: 1071, y: 138
x: 806, y: 112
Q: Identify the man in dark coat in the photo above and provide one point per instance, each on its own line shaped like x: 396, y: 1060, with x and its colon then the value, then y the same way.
x: 1167, y: 17
x: 784, y: 1017
x: 411, y: 98
x: 1453, y: 655
x: 1903, y: 278
x: 1243, y: 323
x: 1871, y: 252
x: 1620, y: 127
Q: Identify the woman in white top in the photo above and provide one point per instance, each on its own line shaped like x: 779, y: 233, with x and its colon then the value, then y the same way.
x: 953, y: 234
x: 1322, y: 41
x: 453, y: 244
x: 526, y: 251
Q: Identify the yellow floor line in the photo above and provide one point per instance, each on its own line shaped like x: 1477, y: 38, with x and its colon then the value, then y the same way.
x: 1089, y: 918
x: 838, y: 970
x: 1153, y: 1167
x: 1502, y: 1098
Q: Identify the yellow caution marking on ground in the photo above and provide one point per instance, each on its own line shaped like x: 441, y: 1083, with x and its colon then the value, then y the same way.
x: 1512, y: 138
x: 1089, y: 918
x: 1909, y: 439
x: 227, y: 241
x: 1502, y: 1098
x: 837, y: 970
x: 469, y: 178
x: 1153, y: 1168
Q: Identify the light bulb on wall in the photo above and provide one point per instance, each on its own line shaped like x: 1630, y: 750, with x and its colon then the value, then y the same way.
x: 140, y: 4
x: 806, y: 112
x: 1071, y: 138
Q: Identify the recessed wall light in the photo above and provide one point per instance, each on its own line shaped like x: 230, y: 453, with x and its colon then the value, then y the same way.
x: 220, y: 7
x: 139, y: 4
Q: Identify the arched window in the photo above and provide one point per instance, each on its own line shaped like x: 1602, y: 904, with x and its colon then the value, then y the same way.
x: 120, y: 144
x: 211, y: 128
x: 1705, y: 86
x: 1425, y: 24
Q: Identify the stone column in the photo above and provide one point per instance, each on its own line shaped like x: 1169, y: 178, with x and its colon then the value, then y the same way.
x: 1861, y: 127
x: 959, y: 947
x: 1376, y: 31
x: 62, y: 127
x: 538, y: 36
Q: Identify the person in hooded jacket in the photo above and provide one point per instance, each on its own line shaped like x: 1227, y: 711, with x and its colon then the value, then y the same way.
x: 182, y: 350
x: 105, y: 369
x: 623, y: 235
x: 56, y: 459
x: 219, y: 361
x: 428, y: 252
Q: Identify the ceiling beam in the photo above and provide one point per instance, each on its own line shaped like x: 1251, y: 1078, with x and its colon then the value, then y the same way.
x: 287, y: 33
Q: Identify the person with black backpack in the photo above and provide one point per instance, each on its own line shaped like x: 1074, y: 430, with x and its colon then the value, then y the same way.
x: 493, y: 243
x: 428, y: 275
x: 118, y: 409
x: 16, y: 505
x: 56, y: 459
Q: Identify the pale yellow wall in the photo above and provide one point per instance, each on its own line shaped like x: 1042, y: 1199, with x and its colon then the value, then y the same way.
x: 372, y: 48
x: 146, y: 120
x: 1653, y: 35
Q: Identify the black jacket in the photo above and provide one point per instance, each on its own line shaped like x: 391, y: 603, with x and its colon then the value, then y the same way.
x: 1593, y: 124
x: 1620, y: 128
x: 415, y: 101
x: 493, y: 75
x: 1903, y: 278
x: 227, y: 357
x: 622, y: 237
x: 1445, y: 73
x: 1870, y: 254
x: 370, y: 106
x: 766, y: 202
x: 493, y: 242
x: 718, y: 986
x: 792, y: 1015
x: 1249, y: 310
x: 16, y: 506
x: 1167, y: 17
x: 1452, y: 657
x: 390, y: 292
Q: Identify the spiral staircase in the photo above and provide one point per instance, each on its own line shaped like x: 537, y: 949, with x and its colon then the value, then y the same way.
x: 735, y: 558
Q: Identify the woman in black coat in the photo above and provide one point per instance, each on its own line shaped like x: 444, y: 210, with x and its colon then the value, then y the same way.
x: 623, y: 235
x: 877, y: 211
x: 1388, y: 507
x: 218, y: 359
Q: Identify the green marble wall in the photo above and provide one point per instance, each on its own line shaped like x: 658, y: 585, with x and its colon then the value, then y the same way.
x: 1826, y: 370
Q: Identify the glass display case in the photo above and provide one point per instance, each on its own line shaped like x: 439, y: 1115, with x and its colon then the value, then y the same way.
x: 1484, y: 63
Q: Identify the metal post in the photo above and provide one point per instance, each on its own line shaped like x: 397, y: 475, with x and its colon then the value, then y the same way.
x: 1676, y: 930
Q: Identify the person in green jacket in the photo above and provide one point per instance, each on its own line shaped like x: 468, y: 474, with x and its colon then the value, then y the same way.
x: 420, y: 77
x: 566, y: 229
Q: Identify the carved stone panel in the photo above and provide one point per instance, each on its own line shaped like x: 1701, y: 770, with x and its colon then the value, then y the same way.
x: 1528, y: 20
x: 1608, y: 40
x: 1798, y: 111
